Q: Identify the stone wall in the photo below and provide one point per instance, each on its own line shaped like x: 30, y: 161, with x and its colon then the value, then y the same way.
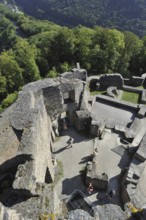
x: 9, y: 142
x: 117, y: 102
x: 30, y: 126
x: 53, y: 100
x: 31, y: 120
x: 31, y: 117
x: 132, y: 89
x: 75, y: 74
x: 134, y: 81
x: 108, y: 80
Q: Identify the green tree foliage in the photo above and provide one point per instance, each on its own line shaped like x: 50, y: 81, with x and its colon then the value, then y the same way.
x: 62, y: 47
x: 7, y: 33
x: 9, y: 100
x: 84, y: 37
x: 130, y: 56
x: 52, y: 73
x: 106, y: 48
x: 43, y: 42
x: 121, y: 14
x: 3, y: 88
x: 25, y: 55
x: 32, y: 27
x: 141, y: 59
x: 11, y: 77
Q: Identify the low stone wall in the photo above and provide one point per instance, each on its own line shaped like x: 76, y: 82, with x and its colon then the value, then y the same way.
x: 132, y: 89
x: 99, y: 181
x: 143, y: 97
x: 137, y: 81
x: 141, y: 152
x: 117, y: 102
x: 134, y: 81
x: 112, y: 91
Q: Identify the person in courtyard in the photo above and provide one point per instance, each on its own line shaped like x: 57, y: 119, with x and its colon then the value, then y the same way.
x: 70, y: 142
x: 90, y: 188
x: 64, y: 124
x: 111, y: 193
x: 95, y: 152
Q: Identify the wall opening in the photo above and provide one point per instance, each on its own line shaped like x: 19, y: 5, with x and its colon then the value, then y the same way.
x: 69, y: 97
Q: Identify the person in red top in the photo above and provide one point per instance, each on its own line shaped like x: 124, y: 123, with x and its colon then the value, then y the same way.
x: 90, y: 188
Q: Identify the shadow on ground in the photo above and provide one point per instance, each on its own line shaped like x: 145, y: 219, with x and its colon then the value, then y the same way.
x: 86, y: 159
x: 125, y: 160
x: 74, y: 183
x: 103, y: 196
x: 78, y: 137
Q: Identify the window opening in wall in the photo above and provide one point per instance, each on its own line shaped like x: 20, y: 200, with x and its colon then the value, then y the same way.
x: 69, y: 97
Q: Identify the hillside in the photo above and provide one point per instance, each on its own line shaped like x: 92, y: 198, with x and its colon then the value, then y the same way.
x: 121, y: 14
x: 31, y: 49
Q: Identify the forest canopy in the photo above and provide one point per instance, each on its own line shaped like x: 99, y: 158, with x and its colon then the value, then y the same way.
x: 120, y: 14
x: 32, y: 49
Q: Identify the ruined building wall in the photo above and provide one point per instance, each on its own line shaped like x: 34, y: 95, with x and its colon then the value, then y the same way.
x: 9, y: 142
x: 53, y: 100
x: 27, y: 152
x: 31, y: 118
x: 38, y: 105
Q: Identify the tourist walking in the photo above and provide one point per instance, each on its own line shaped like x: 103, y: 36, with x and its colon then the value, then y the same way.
x: 70, y: 142
x: 90, y: 188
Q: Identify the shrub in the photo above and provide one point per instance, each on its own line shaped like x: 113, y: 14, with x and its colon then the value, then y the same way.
x: 10, y: 99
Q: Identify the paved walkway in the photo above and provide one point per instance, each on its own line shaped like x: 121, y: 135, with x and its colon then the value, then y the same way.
x: 112, y: 114
x: 74, y: 160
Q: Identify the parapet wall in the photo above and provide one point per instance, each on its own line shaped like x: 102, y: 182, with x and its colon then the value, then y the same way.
x: 115, y: 79
x: 134, y: 81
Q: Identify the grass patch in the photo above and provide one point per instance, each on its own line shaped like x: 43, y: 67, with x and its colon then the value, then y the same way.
x: 98, y: 93
x: 130, y: 97
x: 140, y: 87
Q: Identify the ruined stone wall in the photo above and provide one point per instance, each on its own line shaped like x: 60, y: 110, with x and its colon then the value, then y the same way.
x: 39, y: 105
x: 76, y: 74
x: 53, y: 100
x: 42, y: 140
x: 108, y: 80
x: 9, y: 142
x: 134, y: 81
x: 75, y: 90
x: 116, y: 102
x: 31, y: 118
x: 132, y: 89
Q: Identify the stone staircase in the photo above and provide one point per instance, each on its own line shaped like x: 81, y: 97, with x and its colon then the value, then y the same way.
x: 77, y: 201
